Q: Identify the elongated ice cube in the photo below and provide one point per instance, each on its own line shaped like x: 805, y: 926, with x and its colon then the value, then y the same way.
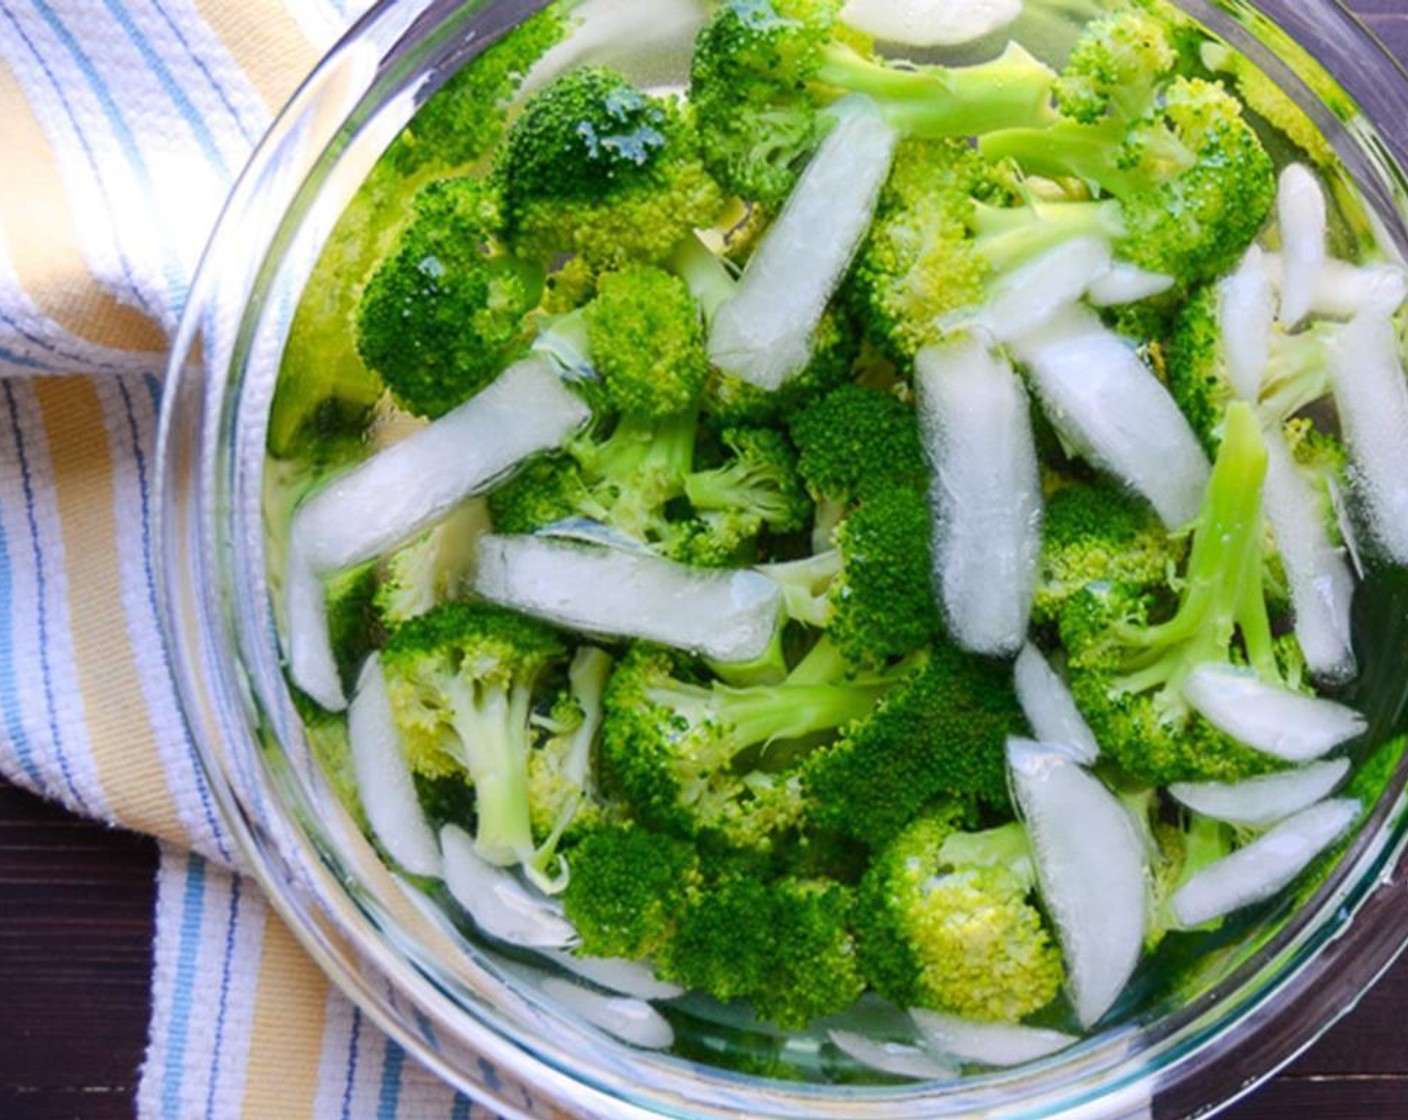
x: 726, y: 615
x: 985, y: 491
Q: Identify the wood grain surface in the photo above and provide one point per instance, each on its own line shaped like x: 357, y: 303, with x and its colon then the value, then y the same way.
x: 76, y: 928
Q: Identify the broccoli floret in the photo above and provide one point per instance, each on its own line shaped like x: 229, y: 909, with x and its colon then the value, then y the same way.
x: 1115, y: 66
x: 764, y: 70
x: 882, y: 602
x: 594, y: 166
x: 647, y: 342
x: 1264, y: 97
x: 431, y: 569
x: 1127, y: 671
x: 919, y: 262
x: 444, y: 313
x: 758, y: 478
x: 627, y: 889
x: 1193, y: 183
x: 679, y: 747
x: 855, y: 443
x: 562, y: 784
x: 1297, y: 372
x: 947, y: 921
x: 939, y: 734
x: 463, y: 680
x: 783, y: 944
x: 464, y: 120
x: 1097, y: 531
x: 324, y: 383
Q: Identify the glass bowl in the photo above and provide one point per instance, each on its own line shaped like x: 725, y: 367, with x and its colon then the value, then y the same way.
x: 477, y: 1018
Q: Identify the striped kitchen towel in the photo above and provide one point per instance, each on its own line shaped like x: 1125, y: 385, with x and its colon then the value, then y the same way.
x: 122, y: 125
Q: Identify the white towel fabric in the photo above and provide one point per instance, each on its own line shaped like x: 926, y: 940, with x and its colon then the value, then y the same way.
x: 122, y: 125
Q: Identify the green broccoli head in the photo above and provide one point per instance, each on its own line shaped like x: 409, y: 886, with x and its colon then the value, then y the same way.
x: 444, y: 313
x: 947, y: 921
x: 594, y: 166
x: 882, y: 602
x: 1099, y: 532
x: 855, y: 443
x: 784, y: 944
x: 464, y: 120
x: 646, y: 341
x: 682, y: 749
x: 627, y: 889
x: 938, y: 735
x: 764, y: 72
x: 546, y: 489
x: 1127, y: 670
x: 748, y: 82
x: 1189, y: 184
x: 1115, y: 66
x: 758, y: 478
x: 463, y: 680
x: 919, y: 262
x: 434, y: 567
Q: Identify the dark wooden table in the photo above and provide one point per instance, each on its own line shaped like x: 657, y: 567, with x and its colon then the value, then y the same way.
x: 76, y: 928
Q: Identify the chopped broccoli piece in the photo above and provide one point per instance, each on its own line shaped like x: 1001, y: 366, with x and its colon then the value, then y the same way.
x: 759, y: 478
x: 445, y: 312
x: 1193, y: 183
x: 431, y: 569
x: 938, y: 735
x: 784, y: 944
x: 855, y: 443
x: 764, y: 72
x: 562, y: 784
x: 947, y: 921
x: 594, y: 166
x: 463, y: 680
x: 679, y: 747
x: 627, y: 889
x: 1115, y: 66
x: 1097, y: 531
x: 1126, y: 672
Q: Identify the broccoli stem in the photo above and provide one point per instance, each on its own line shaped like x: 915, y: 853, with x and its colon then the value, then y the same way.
x: 492, y: 725
x: 1007, y: 236
x: 1011, y: 91
x: 1224, y: 591
x: 704, y: 273
x: 1096, y: 153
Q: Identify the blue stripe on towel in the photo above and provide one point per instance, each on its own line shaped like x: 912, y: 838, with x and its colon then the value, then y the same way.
x: 351, y: 1083
x: 187, y: 956
x: 9, y: 688
x: 232, y: 925
x: 389, y: 1095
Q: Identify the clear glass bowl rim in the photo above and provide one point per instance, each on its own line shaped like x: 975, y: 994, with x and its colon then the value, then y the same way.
x: 1275, y: 1007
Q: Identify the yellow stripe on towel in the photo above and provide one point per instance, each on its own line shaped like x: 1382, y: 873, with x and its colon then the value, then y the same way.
x: 124, y: 749
x: 265, y: 42
x: 38, y: 229
x: 286, y: 1038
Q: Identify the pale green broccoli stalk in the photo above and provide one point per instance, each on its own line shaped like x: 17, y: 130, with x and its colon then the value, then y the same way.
x: 759, y: 478
x: 1126, y: 672
x: 949, y: 921
x: 463, y: 681
x: 595, y: 167
x: 562, y: 783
